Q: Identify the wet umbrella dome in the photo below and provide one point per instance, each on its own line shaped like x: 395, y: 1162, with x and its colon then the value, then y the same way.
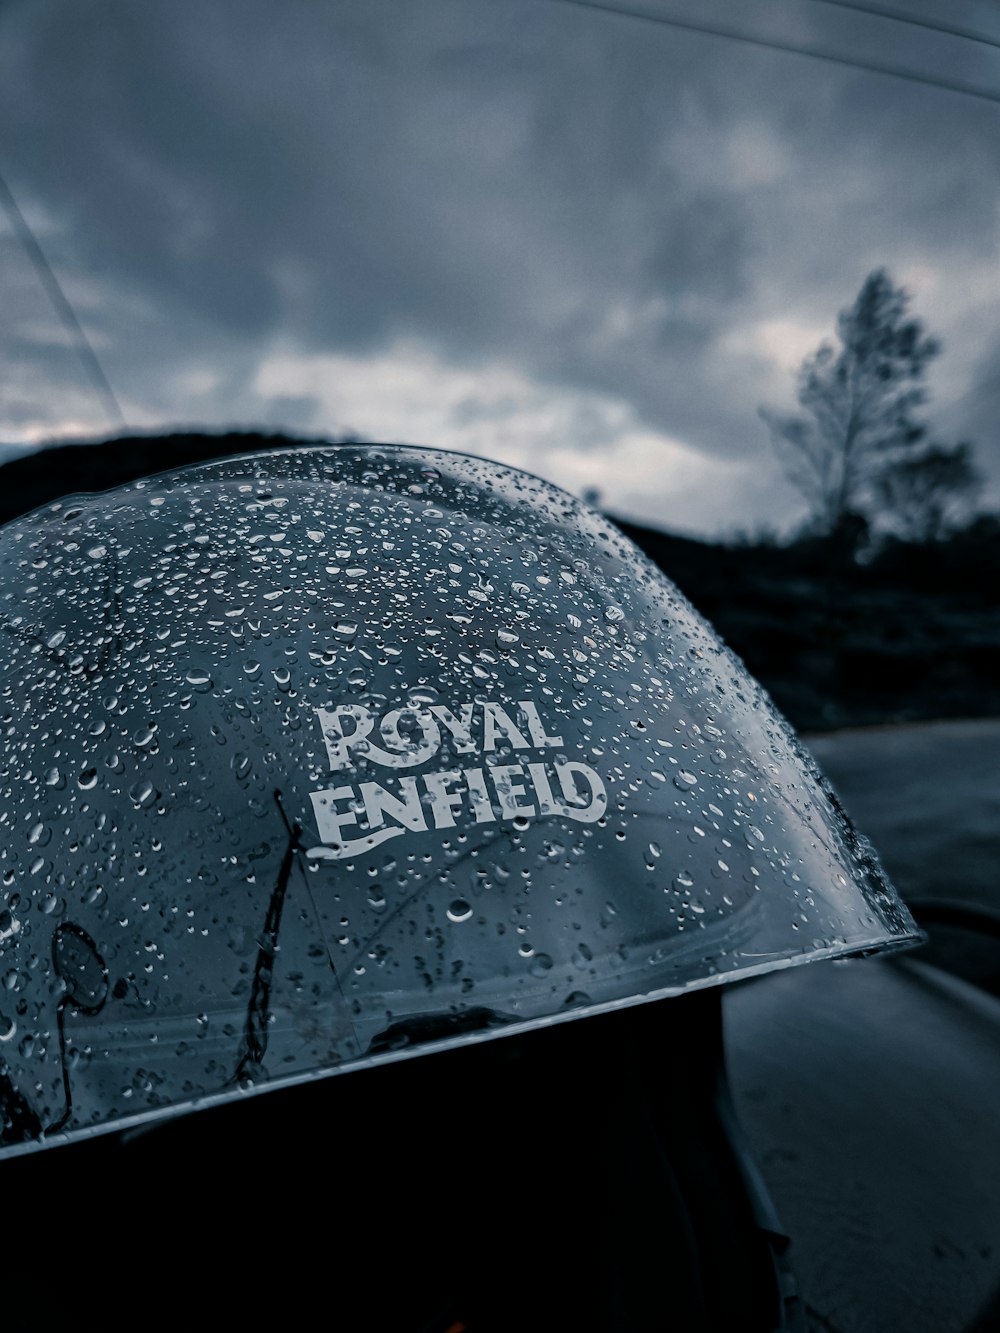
x: 333, y: 755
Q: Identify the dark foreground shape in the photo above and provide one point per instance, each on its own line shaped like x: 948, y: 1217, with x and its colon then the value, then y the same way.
x: 574, y: 1178
x: 513, y: 1185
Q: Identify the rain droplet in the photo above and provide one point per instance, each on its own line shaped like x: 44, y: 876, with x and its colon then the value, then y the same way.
x: 143, y: 794
x: 200, y: 679
x: 540, y: 964
x: 613, y: 613
x: 459, y: 910
x: 345, y: 630
x: 683, y: 780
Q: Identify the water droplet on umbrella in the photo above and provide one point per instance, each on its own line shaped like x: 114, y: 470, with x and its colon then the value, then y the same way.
x: 540, y: 964
x: 142, y: 793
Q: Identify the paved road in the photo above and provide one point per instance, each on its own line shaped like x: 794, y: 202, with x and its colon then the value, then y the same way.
x: 928, y: 796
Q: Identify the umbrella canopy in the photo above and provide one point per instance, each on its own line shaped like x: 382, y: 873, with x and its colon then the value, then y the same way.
x: 329, y: 756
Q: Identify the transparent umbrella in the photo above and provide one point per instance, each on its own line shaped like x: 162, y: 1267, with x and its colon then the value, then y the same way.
x: 324, y: 757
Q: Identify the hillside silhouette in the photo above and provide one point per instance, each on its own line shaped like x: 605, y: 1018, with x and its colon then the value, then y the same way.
x: 913, y: 633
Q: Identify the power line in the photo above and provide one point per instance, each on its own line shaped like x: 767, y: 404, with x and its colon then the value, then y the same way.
x: 788, y: 48
x: 914, y: 20
x: 66, y: 313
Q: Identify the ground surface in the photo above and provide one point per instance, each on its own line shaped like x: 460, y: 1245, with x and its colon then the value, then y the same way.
x: 870, y: 1092
x: 928, y: 796
x: 873, y: 1100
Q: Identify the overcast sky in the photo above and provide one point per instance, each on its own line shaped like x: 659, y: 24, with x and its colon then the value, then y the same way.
x: 577, y: 242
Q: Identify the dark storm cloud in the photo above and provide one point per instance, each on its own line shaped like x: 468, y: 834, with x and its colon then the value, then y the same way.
x: 605, y: 206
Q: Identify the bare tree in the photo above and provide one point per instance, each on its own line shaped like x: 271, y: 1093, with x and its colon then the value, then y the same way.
x: 858, y: 404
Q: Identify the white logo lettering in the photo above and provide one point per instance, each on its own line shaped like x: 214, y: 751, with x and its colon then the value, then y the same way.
x: 377, y: 811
